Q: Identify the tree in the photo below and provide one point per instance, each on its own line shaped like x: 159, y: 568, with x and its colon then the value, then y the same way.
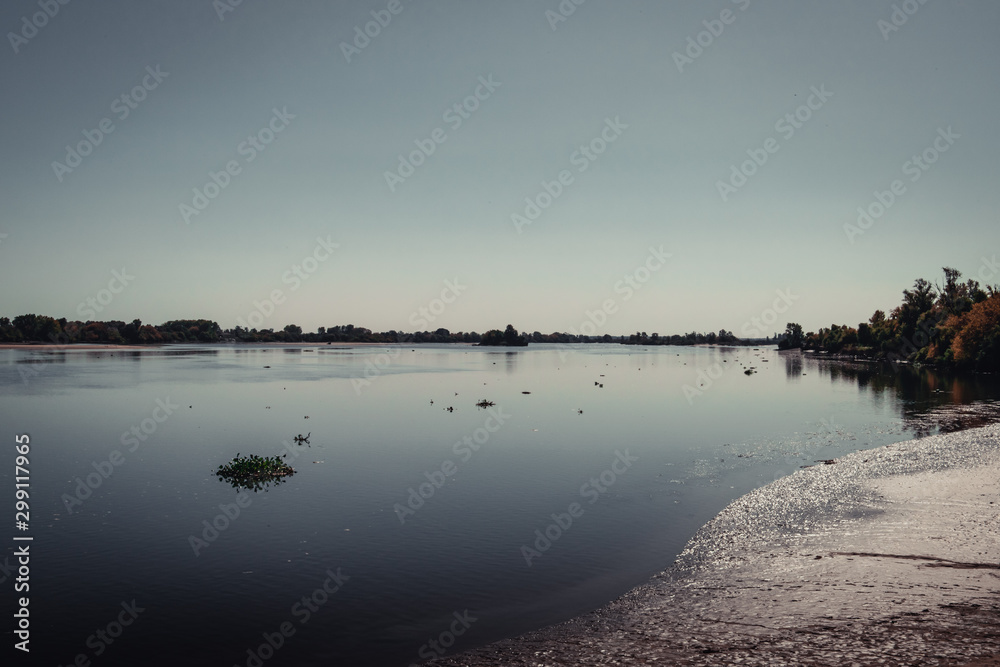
x: 865, y: 336
x: 8, y: 332
x: 149, y: 335
x: 508, y: 337
x: 793, y: 337
x: 492, y: 337
x: 916, y: 302
x: 955, y: 297
x: 33, y: 327
x: 978, y: 341
x: 130, y: 332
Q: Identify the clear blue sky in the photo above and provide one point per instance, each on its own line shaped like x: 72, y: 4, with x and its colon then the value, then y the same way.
x: 886, y: 95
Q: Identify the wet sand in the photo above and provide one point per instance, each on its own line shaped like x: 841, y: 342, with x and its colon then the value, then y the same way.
x: 887, y: 557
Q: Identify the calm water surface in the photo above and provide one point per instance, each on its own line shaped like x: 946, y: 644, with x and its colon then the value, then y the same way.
x: 384, y: 423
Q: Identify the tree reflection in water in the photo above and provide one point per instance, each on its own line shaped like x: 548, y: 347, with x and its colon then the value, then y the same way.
x: 929, y: 400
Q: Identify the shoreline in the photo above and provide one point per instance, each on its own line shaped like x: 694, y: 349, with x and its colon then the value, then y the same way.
x: 158, y: 346
x: 888, y: 557
x: 74, y: 346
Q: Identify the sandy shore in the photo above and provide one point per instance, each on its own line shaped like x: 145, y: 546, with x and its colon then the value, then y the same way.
x: 888, y: 557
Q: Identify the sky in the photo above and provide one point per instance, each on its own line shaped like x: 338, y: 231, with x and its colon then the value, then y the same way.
x: 637, y: 164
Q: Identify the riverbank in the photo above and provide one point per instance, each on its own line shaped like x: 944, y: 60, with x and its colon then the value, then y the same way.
x: 46, y: 347
x: 888, y: 557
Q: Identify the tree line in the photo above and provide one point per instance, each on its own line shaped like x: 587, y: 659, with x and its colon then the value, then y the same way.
x: 43, y: 329
x: 694, y: 338
x: 953, y: 323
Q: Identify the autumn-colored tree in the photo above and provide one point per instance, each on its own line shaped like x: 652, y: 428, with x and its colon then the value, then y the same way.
x: 978, y: 341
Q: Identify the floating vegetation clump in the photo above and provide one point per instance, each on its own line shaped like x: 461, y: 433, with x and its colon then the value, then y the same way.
x: 254, y: 472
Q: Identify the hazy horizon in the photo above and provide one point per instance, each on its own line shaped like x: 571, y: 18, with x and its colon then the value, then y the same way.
x: 202, y: 151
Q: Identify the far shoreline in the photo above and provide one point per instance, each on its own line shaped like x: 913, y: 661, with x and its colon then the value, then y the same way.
x: 73, y: 346
x: 157, y: 346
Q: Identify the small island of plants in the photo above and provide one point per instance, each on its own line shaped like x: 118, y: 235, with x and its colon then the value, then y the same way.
x: 254, y: 472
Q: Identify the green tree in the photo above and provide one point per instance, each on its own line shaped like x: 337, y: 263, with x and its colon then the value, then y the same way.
x: 793, y: 337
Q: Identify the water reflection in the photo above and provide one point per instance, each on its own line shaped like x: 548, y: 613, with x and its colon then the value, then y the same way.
x: 793, y: 365
x: 255, y: 485
x: 511, y: 362
x: 929, y: 400
x: 425, y: 523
